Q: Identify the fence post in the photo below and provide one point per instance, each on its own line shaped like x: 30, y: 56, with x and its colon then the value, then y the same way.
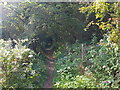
x: 83, y: 51
x: 81, y: 66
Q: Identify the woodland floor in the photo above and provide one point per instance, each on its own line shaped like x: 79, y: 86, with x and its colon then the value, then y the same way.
x: 50, y: 67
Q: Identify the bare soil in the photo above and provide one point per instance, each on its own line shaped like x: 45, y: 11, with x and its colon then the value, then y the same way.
x: 50, y: 67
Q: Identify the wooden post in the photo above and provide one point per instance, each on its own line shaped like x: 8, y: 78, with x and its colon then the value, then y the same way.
x: 83, y: 51
x: 81, y: 66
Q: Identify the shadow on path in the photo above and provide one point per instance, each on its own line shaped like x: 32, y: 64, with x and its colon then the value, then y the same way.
x: 50, y: 67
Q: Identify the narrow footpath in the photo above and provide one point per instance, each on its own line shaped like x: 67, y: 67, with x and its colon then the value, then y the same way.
x: 48, y: 83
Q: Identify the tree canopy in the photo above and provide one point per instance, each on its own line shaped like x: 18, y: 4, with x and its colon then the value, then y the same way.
x: 64, y: 22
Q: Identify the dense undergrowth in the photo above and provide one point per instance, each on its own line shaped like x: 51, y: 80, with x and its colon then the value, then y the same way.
x: 48, y: 26
x: 99, y: 69
x: 20, y: 66
x: 23, y: 68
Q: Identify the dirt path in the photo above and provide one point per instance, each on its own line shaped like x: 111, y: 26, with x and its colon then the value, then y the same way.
x: 48, y: 83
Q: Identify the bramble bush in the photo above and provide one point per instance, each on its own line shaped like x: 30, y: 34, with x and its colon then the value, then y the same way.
x: 67, y: 72
x: 20, y: 66
x: 105, y: 63
x: 68, y: 76
x: 99, y: 69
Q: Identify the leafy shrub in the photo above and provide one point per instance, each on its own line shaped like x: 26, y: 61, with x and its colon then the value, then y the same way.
x: 78, y: 81
x: 100, y: 68
x: 67, y: 49
x: 105, y: 62
x: 67, y: 70
x: 20, y: 66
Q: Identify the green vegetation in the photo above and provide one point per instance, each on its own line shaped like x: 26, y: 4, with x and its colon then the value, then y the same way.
x: 69, y: 73
x: 21, y: 67
x: 100, y: 69
x: 31, y: 31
